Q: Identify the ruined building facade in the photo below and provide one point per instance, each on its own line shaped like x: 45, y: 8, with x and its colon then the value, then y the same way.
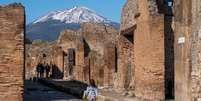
x: 71, y: 44
x: 89, y: 53
x: 166, y: 48
x: 12, y: 52
x: 100, y: 52
x: 156, y: 54
x: 125, y: 48
x: 143, y: 25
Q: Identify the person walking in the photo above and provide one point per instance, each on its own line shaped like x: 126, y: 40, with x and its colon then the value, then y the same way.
x: 38, y: 70
x: 91, y: 92
x: 42, y: 70
x: 47, y: 68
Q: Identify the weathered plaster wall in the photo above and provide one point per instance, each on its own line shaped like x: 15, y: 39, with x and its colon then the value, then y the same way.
x: 182, y: 24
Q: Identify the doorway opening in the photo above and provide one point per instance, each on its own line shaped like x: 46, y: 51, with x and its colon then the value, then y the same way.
x: 71, y: 60
x: 169, y: 50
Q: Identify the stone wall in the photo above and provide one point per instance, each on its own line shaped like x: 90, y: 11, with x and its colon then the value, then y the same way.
x: 73, y: 40
x: 99, y: 42
x: 196, y: 50
x: 11, y: 52
x: 129, y: 12
x: 145, y: 23
x: 149, y: 52
x: 58, y: 62
x: 109, y: 65
x: 125, y: 68
x: 96, y: 35
x: 80, y: 60
x: 125, y: 48
x: 182, y: 30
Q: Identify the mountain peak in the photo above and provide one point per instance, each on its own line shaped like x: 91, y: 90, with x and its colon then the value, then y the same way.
x: 74, y: 15
x: 80, y: 7
x: 49, y: 26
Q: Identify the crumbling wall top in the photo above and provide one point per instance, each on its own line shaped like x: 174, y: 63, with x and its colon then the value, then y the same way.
x: 100, y: 31
x: 11, y: 5
x: 67, y: 35
x: 129, y: 12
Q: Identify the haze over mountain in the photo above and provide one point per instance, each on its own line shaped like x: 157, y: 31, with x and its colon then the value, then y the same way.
x: 49, y: 26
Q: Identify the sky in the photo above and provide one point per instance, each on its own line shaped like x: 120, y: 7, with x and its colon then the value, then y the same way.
x: 110, y: 9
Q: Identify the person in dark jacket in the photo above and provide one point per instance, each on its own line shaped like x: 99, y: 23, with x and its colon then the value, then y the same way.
x: 47, y: 68
x: 42, y: 70
x: 38, y: 69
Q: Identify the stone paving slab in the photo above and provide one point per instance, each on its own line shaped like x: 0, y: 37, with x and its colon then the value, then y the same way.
x: 110, y: 95
x: 36, y: 92
x: 72, y: 87
x: 76, y: 88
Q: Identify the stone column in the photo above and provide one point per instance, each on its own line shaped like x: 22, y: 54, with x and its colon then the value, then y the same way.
x: 12, y: 52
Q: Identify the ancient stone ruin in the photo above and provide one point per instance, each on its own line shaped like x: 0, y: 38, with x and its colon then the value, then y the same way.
x: 80, y: 55
x: 149, y: 58
x: 100, y: 45
x: 154, y: 56
x: 11, y: 52
x: 166, y: 48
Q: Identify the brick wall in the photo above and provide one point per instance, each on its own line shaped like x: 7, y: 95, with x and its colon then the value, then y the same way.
x: 11, y: 52
x: 125, y: 68
x: 149, y: 53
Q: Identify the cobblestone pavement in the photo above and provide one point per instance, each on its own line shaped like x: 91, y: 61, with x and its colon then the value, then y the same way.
x: 37, y: 92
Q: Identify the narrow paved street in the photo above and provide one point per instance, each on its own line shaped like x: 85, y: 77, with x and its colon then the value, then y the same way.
x: 37, y: 92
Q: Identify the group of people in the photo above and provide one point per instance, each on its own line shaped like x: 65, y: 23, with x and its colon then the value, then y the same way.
x: 42, y: 70
x: 91, y: 92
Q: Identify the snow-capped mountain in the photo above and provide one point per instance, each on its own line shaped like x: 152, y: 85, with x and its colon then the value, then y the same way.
x: 48, y: 26
x: 74, y: 15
